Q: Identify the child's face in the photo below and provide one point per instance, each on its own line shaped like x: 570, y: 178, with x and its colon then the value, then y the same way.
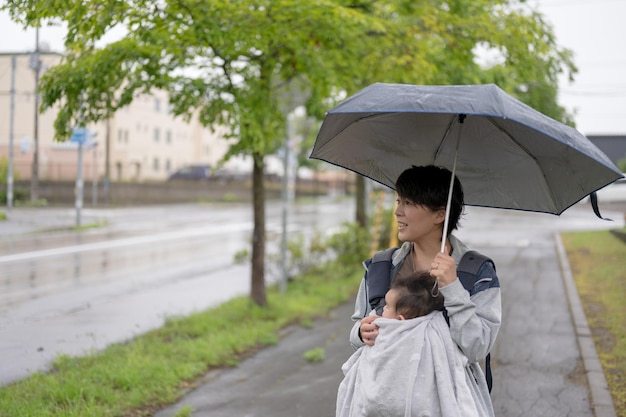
x: 389, y: 310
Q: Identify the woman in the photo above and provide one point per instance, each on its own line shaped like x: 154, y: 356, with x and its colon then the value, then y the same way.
x: 474, y: 320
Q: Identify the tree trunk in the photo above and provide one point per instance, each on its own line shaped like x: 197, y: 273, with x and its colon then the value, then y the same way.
x: 258, y: 236
x: 361, y: 215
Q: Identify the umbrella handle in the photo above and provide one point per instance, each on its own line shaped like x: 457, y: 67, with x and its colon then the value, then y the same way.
x: 456, y: 154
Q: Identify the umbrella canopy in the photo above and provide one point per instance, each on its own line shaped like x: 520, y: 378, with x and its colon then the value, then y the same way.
x: 507, y: 154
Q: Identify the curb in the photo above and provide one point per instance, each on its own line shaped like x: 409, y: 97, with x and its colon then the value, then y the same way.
x: 601, y: 400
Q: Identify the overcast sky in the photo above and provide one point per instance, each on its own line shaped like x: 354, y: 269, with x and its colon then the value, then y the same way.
x: 594, y: 30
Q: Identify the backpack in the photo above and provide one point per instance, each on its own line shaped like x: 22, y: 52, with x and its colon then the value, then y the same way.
x: 379, y: 280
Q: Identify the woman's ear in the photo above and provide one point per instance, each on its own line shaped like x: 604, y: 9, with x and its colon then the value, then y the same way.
x: 440, y: 215
x: 401, y: 317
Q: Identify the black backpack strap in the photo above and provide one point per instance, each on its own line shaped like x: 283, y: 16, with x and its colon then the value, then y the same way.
x: 378, y: 278
x: 469, y: 268
x: 468, y: 273
x: 488, y: 375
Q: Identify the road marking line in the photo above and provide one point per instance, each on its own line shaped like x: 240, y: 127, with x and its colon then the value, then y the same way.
x: 120, y: 243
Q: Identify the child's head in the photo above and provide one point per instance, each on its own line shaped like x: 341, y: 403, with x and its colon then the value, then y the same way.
x: 412, y: 296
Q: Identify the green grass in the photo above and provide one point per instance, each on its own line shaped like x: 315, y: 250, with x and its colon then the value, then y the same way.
x: 598, y: 262
x: 42, y: 202
x: 315, y: 355
x: 88, y: 226
x: 185, y: 411
x: 156, y: 369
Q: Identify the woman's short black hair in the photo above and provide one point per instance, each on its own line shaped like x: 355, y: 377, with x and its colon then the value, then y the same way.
x: 428, y: 186
x: 418, y: 295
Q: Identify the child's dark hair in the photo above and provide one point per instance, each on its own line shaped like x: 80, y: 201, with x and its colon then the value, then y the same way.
x: 416, y: 296
x: 428, y: 186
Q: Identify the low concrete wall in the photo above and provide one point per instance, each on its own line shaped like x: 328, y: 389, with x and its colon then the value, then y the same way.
x: 63, y: 193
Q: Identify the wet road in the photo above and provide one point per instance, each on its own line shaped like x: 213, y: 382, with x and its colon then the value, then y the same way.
x: 69, y: 292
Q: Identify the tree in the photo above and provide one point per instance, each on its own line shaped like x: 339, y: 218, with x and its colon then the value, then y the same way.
x: 528, y: 59
x: 442, y: 42
x: 226, y: 62
x: 233, y: 62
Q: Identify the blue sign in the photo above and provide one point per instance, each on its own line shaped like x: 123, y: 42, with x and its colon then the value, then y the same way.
x: 80, y: 135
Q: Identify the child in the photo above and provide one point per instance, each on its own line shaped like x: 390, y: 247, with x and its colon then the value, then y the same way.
x: 414, y: 369
x: 412, y: 296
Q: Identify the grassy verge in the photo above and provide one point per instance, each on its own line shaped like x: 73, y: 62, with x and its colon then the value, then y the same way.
x: 598, y: 262
x: 155, y: 369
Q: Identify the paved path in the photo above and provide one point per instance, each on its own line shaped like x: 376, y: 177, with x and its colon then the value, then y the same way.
x: 278, y: 381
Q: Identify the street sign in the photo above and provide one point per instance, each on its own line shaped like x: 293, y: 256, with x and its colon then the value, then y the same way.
x: 80, y: 135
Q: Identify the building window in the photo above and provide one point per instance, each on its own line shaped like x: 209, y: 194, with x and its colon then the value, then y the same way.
x: 156, y: 134
x: 126, y: 136
x: 120, y: 135
x: 168, y: 165
x: 155, y: 164
x: 157, y: 105
x: 168, y: 136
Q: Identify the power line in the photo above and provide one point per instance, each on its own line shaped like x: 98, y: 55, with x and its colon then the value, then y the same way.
x: 596, y: 63
x: 615, y: 94
x: 568, y: 3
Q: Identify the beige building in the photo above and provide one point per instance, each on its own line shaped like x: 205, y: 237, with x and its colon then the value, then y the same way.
x: 145, y: 142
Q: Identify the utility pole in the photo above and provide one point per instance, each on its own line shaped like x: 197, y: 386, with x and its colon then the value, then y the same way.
x: 11, y: 118
x: 287, y: 198
x: 35, y: 64
x: 290, y: 146
x: 107, y: 160
x: 80, y: 136
x: 79, y: 181
x: 94, y: 189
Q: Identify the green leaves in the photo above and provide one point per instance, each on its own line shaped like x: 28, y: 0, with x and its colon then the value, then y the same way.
x: 234, y: 62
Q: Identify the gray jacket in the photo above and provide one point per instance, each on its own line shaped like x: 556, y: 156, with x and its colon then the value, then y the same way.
x: 474, y: 321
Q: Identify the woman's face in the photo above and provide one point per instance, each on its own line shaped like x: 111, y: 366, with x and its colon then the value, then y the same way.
x: 416, y: 222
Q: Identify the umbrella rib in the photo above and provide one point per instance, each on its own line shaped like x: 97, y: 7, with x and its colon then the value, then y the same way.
x: 523, y: 148
x: 445, y: 135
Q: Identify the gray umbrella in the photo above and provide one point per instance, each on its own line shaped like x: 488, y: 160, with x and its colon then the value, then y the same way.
x: 505, y: 153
